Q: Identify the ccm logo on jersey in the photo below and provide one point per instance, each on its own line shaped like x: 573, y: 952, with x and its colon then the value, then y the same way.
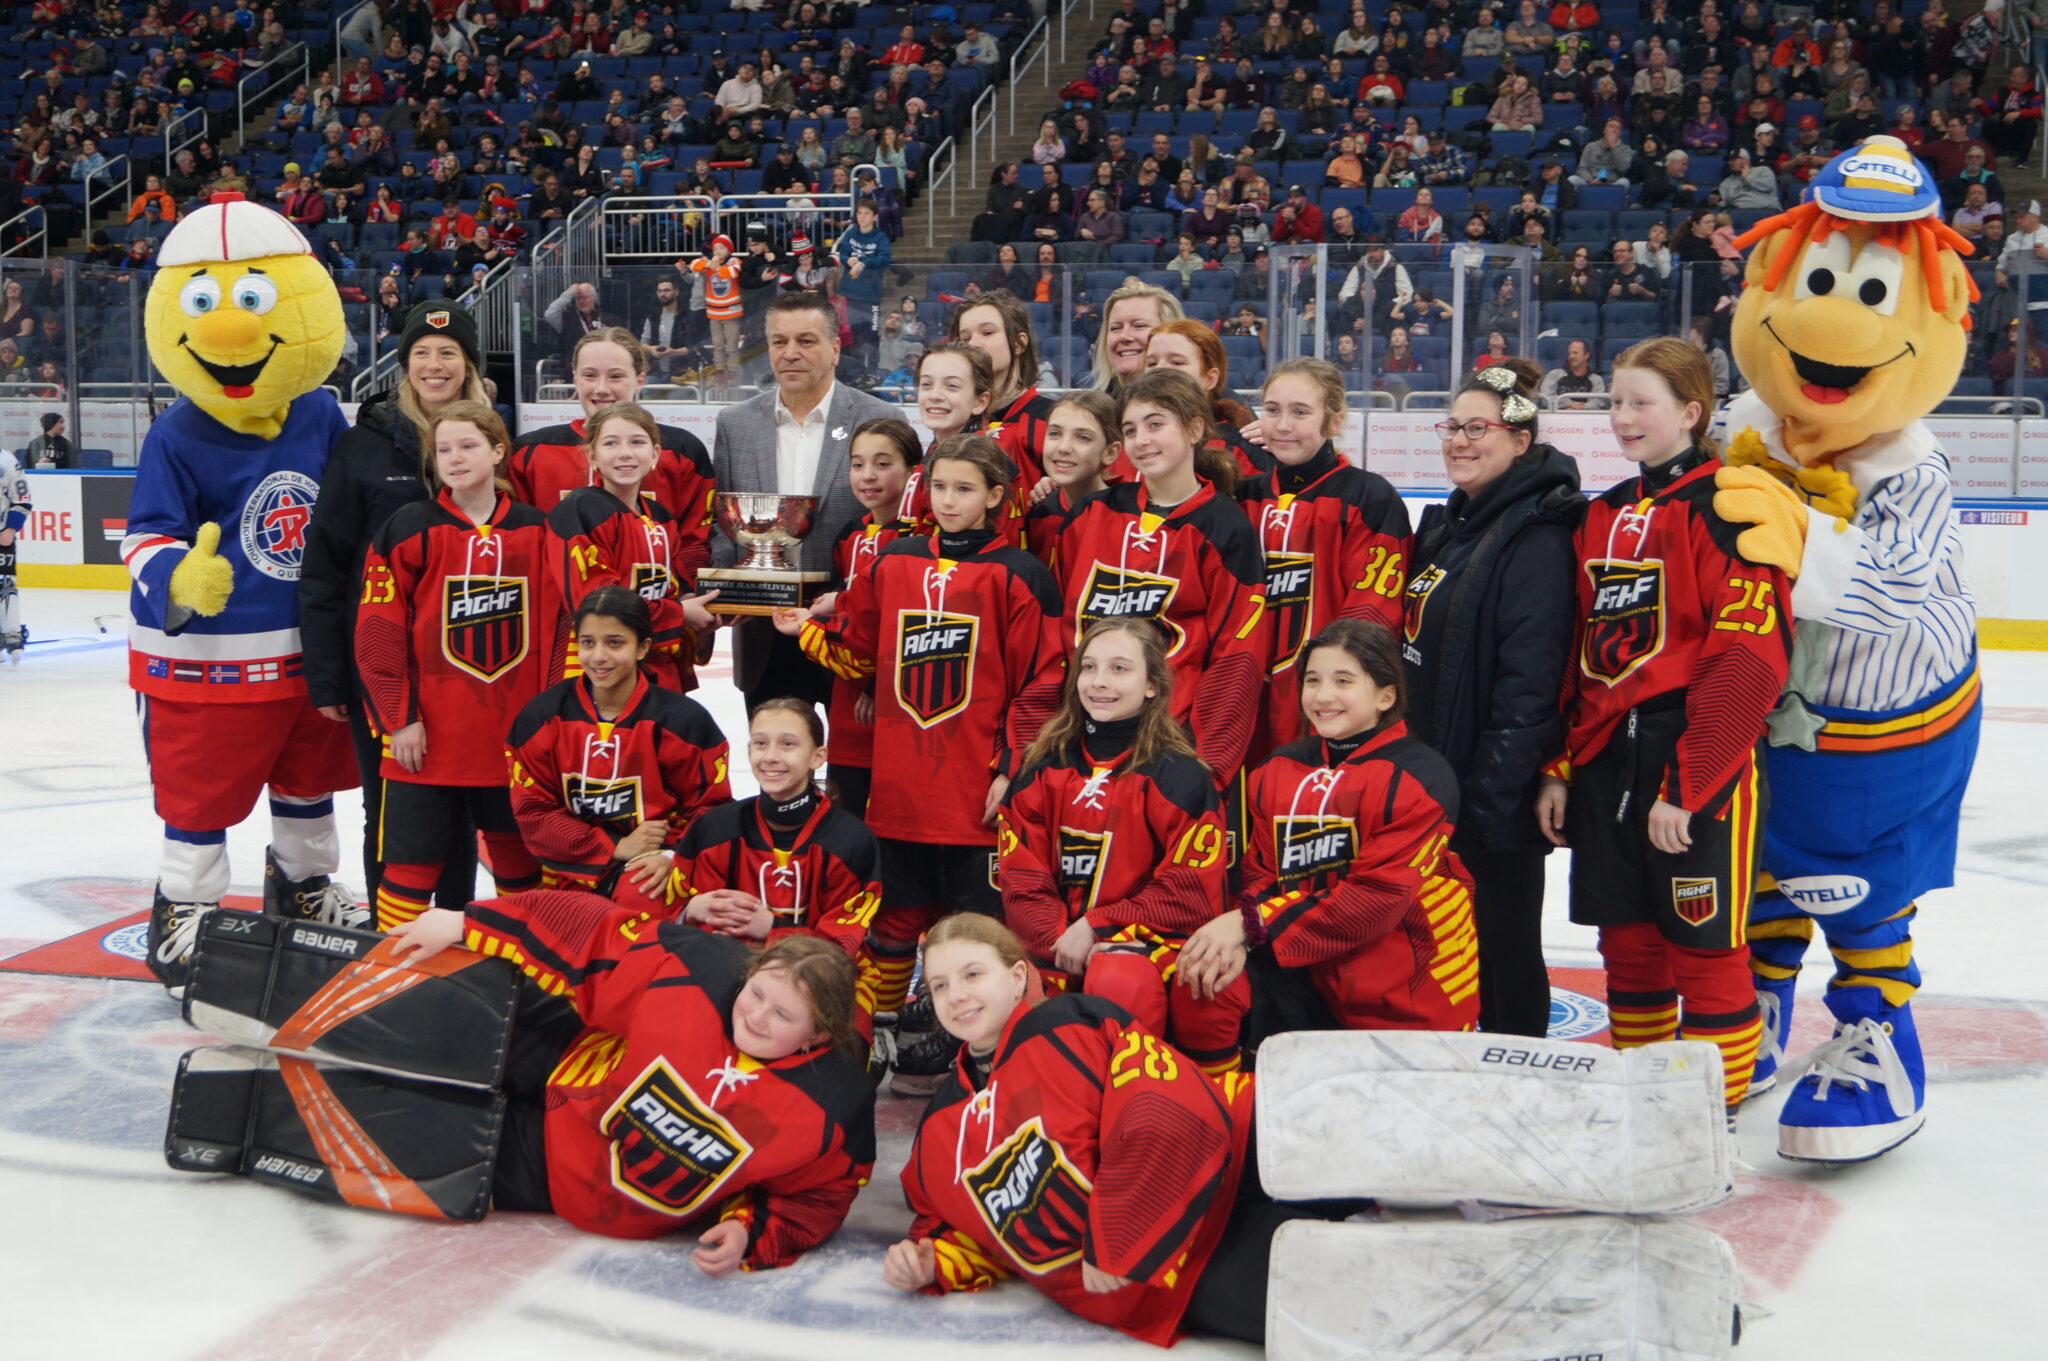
x: 1113, y: 593
x: 484, y: 624
x: 1306, y: 846
x: 670, y: 1150
x: 1625, y: 627
x: 1033, y: 1200
x: 934, y: 663
x: 609, y: 801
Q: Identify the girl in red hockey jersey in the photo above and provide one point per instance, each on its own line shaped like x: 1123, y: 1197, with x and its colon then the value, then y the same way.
x: 763, y: 1124
x: 452, y: 635
x: 1334, y: 536
x: 616, y: 534
x: 1346, y: 873
x: 610, y: 365
x: 1682, y: 652
x: 961, y: 634
x: 997, y: 324
x: 1080, y: 445
x: 1193, y: 348
x: 882, y: 456
x: 789, y: 861
x: 608, y: 770
x: 1113, y: 847
x: 1143, y: 1210
x: 1176, y: 549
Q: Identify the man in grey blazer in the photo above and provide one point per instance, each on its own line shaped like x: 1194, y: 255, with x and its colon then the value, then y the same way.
x: 794, y: 440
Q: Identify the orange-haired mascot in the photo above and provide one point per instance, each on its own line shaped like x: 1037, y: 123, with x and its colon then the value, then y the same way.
x: 1852, y: 326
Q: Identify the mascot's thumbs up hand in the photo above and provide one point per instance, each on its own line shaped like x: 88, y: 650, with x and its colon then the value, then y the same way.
x: 1775, y: 513
x: 205, y: 579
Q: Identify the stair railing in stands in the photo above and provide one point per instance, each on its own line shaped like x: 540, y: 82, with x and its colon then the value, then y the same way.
x: 948, y: 176
x: 294, y: 63
x: 1035, y: 50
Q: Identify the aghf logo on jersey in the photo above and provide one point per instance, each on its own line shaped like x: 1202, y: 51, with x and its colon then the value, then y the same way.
x: 614, y: 803
x: 670, y: 1150
x: 1114, y: 593
x: 1033, y: 1200
x: 483, y: 624
x: 1695, y: 900
x: 1082, y: 856
x: 1416, y: 598
x: 1290, y: 581
x: 652, y: 581
x: 1625, y: 627
x: 274, y: 521
x: 934, y: 663
x: 1310, y: 845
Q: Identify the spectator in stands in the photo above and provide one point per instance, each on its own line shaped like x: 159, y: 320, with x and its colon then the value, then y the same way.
x: 1527, y: 34
x: 1210, y: 223
x: 1420, y: 221
x: 1246, y: 88
x: 1948, y: 155
x: 1298, y: 220
x: 1519, y: 108
x: 574, y: 314
x: 1607, y: 161
x: 1345, y: 170
x: 1051, y: 215
x: 48, y: 344
x: 975, y: 47
x: 856, y: 145
x: 1444, y: 164
x: 1664, y: 182
x: 1099, y: 221
x: 740, y: 95
x: 906, y: 50
x: 1975, y: 171
x: 1381, y: 85
x: 1357, y: 38
x: 1706, y: 132
x: 1974, y: 211
x: 1748, y: 186
x: 1576, y: 378
x: 1863, y: 120
x: 1208, y: 87
x: 1267, y: 141
x: 1050, y: 148
x: 1535, y: 237
x: 2012, y: 120
x: 1345, y: 241
x: 1628, y: 280
x: 153, y: 196
x: 1575, y: 281
x: 304, y: 204
x: 1166, y: 91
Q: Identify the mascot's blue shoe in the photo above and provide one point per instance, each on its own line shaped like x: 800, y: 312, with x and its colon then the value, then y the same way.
x: 1774, y: 1005
x: 1864, y: 1092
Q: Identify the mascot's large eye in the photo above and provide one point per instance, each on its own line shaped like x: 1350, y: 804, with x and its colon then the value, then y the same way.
x: 1823, y: 267
x: 199, y: 296
x: 1876, y: 280
x: 254, y: 293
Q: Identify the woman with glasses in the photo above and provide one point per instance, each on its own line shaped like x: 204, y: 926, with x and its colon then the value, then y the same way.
x: 1488, y: 620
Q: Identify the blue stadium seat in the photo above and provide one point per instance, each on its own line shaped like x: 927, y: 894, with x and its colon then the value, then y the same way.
x: 1634, y: 316
x: 1572, y: 318
x: 1131, y: 253
x: 945, y: 281
x: 1583, y: 224
x: 1609, y: 198
x: 1635, y: 223
x: 1428, y: 94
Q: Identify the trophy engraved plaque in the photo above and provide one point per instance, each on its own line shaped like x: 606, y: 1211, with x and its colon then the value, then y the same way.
x: 768, y: 525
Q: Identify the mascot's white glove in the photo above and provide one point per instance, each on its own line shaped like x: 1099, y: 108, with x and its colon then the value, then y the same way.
x: 203, y: 582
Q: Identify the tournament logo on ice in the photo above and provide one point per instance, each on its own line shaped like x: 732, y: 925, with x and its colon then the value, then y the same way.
x: 1574, y: 1016
x: 274, y: 521
x: 934, y: 663
x: 483, y: 624
x: 1033, y: 1200
x: 1625, y: 627
x: 670, y: 1150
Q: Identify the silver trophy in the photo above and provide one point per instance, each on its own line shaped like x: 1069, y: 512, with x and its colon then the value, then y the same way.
x: 768, y: 525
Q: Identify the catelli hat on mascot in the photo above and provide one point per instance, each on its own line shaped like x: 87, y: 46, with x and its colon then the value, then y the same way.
x: 241, y: 316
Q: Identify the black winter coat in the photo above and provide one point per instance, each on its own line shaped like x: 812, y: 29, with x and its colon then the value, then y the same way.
x: 374, y: 470
x: 1490, y: 616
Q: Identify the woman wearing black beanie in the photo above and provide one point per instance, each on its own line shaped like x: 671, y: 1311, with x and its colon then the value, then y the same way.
x: 376, y: 468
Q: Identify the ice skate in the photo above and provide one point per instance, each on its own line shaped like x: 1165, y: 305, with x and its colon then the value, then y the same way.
x: 11, y: 644
x: 923, y: 1064
x: 316, y: 898
x: 1864, y: 1092
x: 173, y: 930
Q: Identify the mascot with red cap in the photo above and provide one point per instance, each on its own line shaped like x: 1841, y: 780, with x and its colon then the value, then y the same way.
x: 245, y: 323
x: 1852, y: 326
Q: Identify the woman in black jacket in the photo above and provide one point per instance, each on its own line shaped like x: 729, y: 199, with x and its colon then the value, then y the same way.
x: 1489, y: 618
x: 376, y: 468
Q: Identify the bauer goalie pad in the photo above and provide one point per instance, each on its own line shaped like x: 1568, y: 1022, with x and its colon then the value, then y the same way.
x: 1576, y: 1286
x: 338, y: 995
x: 336, y: 1133
x: 1435, y: 1118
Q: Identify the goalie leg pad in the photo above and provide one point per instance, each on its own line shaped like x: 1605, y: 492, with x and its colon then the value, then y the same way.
x: 1551, y: 1287
x: 339, y: 995
x: 336, y: 1133
x: 1436, y: 1118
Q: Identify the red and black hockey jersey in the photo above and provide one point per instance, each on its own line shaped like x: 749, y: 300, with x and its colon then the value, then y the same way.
x: 1348, y: 859
x: 1137, y: 850
x: 1020, y: 429
x: 656, y: 1121
x: 1197, y: 571
x: 1046, y: 522
x: 961, y: 634
x: 580, y: 784
x: 599, y: 541
x: 1669, y: 611
x: 1091, y: 1140
x: 1335, y: 540
x: 549, y: 464
x: 914, y: 507
x: 820, y: 879
x: 853, y: 742
x: 455, y: 629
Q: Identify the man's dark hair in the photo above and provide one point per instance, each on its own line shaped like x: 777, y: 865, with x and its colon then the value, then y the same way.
x: 808, y: 300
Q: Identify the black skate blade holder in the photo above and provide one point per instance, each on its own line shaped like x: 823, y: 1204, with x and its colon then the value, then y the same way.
x: 333, y: 994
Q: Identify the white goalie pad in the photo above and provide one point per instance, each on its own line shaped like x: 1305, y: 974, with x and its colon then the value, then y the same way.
x: 1436, y: 1118
x: 1560, y: 1286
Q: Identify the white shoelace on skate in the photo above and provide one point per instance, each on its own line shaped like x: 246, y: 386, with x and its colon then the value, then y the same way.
x: 1768, y: 1012
x: 332, y: 906
x: 176, y: 946
x: 1857, y: 1056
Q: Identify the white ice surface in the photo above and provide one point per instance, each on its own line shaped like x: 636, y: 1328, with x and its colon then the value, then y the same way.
x: 106, y: 1253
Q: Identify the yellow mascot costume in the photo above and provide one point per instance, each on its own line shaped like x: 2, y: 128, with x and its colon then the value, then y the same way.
x: 1852, y: 326
x: 246, y: 325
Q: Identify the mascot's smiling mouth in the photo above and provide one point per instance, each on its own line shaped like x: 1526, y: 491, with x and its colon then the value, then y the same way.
x: 236, y: 380
x: 1830, y: 383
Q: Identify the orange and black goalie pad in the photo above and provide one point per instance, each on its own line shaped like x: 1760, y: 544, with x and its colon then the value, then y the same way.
x: 340, y: 996
x: 336, y: 1133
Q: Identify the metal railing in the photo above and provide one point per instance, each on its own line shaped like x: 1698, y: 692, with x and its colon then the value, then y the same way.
x: 1030, y: 53
x: 115, y: 179
x: 297, y: 60
x: 949, y: 176
x: 666, y: 226
x: 35, y: 244
x: 341, y: 23
x: 175, y: 137
x: 976, y: 121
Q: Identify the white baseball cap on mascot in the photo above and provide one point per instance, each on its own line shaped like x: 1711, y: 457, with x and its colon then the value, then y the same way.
x: 229, y: 232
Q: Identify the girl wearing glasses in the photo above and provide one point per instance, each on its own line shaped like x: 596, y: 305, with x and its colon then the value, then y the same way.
x: 1487, y: 630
